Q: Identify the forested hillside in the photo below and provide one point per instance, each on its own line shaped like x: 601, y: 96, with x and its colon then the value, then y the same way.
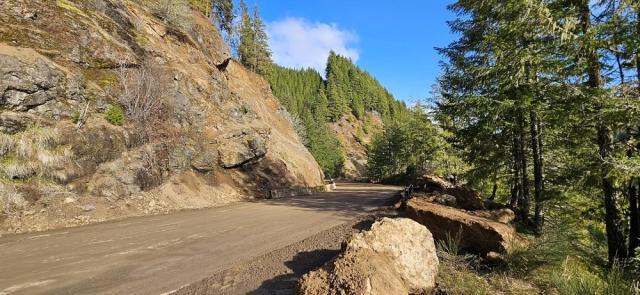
x: 350, y: 89
x: 539, y: 99
x: 317, y: 104
x: 302, y: 93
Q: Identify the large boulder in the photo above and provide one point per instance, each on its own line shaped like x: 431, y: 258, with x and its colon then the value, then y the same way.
x: 397, y: 256
x: 409, y: 244
x: 466, y: 198
x: 504, y: 215
x: 240, y: 147
x: 479, y: 234
x: 27, y: 83
x: 432, y: 183
x: 205, y: 161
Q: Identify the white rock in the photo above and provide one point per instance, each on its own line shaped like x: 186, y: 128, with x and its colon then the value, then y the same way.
x: 409, y: 244
x: 87, y: 208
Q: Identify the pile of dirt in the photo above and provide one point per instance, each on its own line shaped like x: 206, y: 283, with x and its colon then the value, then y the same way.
x: 213, y: 132
x: 397, y: 256
x: 477, y: 234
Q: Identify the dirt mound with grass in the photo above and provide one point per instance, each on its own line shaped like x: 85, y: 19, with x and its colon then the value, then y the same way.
x: 109, y: 109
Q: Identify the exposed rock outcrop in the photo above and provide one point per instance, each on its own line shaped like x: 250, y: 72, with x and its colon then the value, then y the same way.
x: 397, y: 256
x: 479, y: 234
x: 354, y: 136
x: 207, y: 130
x: 240, y: 147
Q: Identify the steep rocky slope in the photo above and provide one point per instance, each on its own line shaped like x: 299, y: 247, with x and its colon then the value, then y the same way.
x: 198, y: 130
x: 355, y: 136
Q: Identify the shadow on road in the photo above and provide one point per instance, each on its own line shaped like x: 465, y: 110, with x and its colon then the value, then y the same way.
x: 346, y: 200
x: 302, y: 263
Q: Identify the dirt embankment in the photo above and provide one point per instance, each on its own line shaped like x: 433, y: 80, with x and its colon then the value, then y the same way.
x: 108, y: 111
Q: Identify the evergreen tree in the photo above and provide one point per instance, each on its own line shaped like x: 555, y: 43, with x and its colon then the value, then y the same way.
x: 246, y: 35
x: 253, y: 48
x: 350, y: 89
x: 530, y: 80
x: 261, y: 52
x: 222, y: 13
x: 302, y: 92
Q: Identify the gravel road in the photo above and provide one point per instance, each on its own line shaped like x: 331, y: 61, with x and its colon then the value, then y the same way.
x: 161, y: 254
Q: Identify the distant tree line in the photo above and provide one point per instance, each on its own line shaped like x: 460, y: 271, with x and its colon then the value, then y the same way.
x: 318, y: 102
x: 302, y: 93
x: 350, y: 89
x: 412, y: 146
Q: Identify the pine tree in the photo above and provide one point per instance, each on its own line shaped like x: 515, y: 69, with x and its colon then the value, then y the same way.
x: 222, y: 13
x: 261, y: 52
x: 253, y: 49
x: 246, y: 45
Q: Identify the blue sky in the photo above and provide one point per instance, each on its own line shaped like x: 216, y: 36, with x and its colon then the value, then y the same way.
x: 393, y: 40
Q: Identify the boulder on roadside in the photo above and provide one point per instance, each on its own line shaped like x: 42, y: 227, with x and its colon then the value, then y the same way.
x: 409, y: 244
x: 444, y: 199
x: 466, y: 198
x: 479, y: 234
x: 397, y: 256
x: 504, y: 215
x: 432, y: 183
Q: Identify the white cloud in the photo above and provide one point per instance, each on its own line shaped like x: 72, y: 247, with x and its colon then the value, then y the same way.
x: 298, y: 43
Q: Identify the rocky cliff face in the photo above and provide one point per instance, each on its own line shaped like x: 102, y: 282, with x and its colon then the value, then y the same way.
x: 197, y: 128
x: 355, y: 136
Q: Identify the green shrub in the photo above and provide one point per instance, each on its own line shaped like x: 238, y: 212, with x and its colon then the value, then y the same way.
x: 114, y: 115
x: 75, y: 117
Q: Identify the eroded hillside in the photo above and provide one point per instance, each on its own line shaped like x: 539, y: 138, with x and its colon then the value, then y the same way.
x: 355, y: 136
x: 108, y: 111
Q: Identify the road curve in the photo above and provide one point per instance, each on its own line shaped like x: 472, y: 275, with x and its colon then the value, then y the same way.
x: 159, y: 254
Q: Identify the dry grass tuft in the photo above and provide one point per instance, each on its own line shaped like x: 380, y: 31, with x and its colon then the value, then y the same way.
x: 10, y: 199
x: 6, y: 144
x: 463, y: 275
x: 19, y: 170
x: 36, y: 152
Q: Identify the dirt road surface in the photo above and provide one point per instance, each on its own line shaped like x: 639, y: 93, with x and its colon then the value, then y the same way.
x: 160, y: 254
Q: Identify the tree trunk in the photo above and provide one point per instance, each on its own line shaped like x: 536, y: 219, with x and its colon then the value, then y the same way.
x: 634, y: 219
x: 634, y: 187
x: 515, y: 181
x: 536, y: 149
x: 524, y: 196
x: 494, y: 190
x: 615, y: 237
